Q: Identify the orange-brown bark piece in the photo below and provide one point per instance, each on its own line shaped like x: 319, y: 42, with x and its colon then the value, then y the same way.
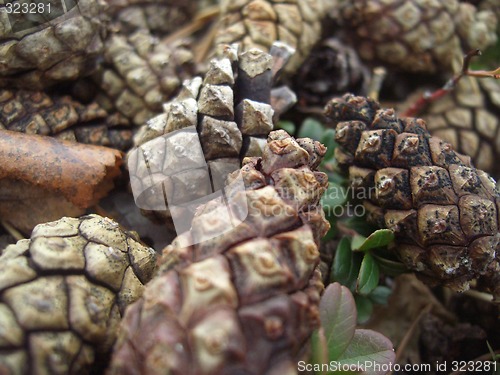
x: 43, y: 168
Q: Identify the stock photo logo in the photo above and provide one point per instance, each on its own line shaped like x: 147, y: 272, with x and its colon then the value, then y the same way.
x: 170, y: 173
x: 18, y: 16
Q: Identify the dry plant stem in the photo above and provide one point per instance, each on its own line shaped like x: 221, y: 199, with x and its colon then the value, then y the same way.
x: 428, y: 97
x: 198, y: 22
x: 11, y: 230
x: 376, y: 82
x: 482, y: 296
x: 409, y: 334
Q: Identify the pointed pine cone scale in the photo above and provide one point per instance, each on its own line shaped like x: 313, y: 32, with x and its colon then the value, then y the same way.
x: 247, y: 300
x: 260, y: 23
x: 36, y: 53
x: 416, y: 35
x: 444, y: 212
x: 229, y: 110
x: 63, y: 293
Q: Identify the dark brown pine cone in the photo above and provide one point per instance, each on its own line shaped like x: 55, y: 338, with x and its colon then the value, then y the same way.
x: 444, y: 211
x: 416, y: 35
x: 246, y: 301
x: 259, y: 23
x: 331, y: 69
x: 54, y: 45
x: 35, y: 112
x: 63, y: 293
x: 469, y: 118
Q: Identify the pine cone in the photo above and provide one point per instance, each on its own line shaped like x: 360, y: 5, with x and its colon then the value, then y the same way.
x: 35, y: 112
x: 469, y: 119
x: 36, y: 53
x: 63, y: 293
x: 331, y: 69
x: 259, y: 23
x: 443, y: 210
x: 139, y: 74
x: 416, y: 35
x: 247, y: 300
x: 229, y: 111
x: 159, y: 17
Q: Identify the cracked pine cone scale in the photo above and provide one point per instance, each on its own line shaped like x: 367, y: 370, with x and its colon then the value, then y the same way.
x: 63, y: 293
x: 245, y: 301
x: 445, y: 212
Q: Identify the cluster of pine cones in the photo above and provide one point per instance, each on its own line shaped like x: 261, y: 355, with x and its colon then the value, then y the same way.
x: 83, y: 295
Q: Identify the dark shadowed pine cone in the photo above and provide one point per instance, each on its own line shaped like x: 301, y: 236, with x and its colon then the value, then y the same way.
x: 35, y: 53
x: 416, y: 35
x: 244, y: 302
x: 469, y: 118
x: 259, y: 23
x: 35, y: 112
x: 331, y: 69
x: 159, y: 17
x: 63, y: 293
x: 230, y: 109
x: 445, y: 213
x: 139, y: 73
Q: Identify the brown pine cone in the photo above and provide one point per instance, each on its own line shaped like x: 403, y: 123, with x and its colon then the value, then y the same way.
x: 469, y: 119
x: 35, y: 112
x: 63, y: 293
x: 246, y: 301
x: 443, y: 211
x: 159, y: 17
x: 139, y: 74
x: 229, y: 113
x: 331, y: 69
x: 54, y: 45
x: 416, y: 35
x: 259, y: 23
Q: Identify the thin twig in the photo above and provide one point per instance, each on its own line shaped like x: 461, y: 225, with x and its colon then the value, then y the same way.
x: 429, y: 97
x: 12, y: 231
x: 479, y: 295
x: 376, y: 82
x: 406, y: 339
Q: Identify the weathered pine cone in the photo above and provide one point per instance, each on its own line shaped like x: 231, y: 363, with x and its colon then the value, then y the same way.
x: 140, y: 73
x: 416, y: 35
x: 230, y: 110
x: 159, y: 17
x: 49, y: 46
x: 444, y: 212
x: 244, y: 302
x: 469, y: 118
x: 259, y: 23
x: 35, y: 112
x: 332, y: 68
x: 63, y: 293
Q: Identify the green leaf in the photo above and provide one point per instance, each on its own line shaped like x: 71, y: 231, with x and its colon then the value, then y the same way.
x: 364, y: 306
x: 346, y: 264
x: 328, y: 139
x: 337, y: 311
x: 311, y: 128
x: 357, y: 242
x: 379, y: 238
x: 369, y: 348
x: 334, y: 196
x: 390, y: 267
x: 360, y: 225
x: 380, y: 295
x: 319, y: 349
x: 287, y: 126
x: 332, y: 232
x: 368, y: 277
